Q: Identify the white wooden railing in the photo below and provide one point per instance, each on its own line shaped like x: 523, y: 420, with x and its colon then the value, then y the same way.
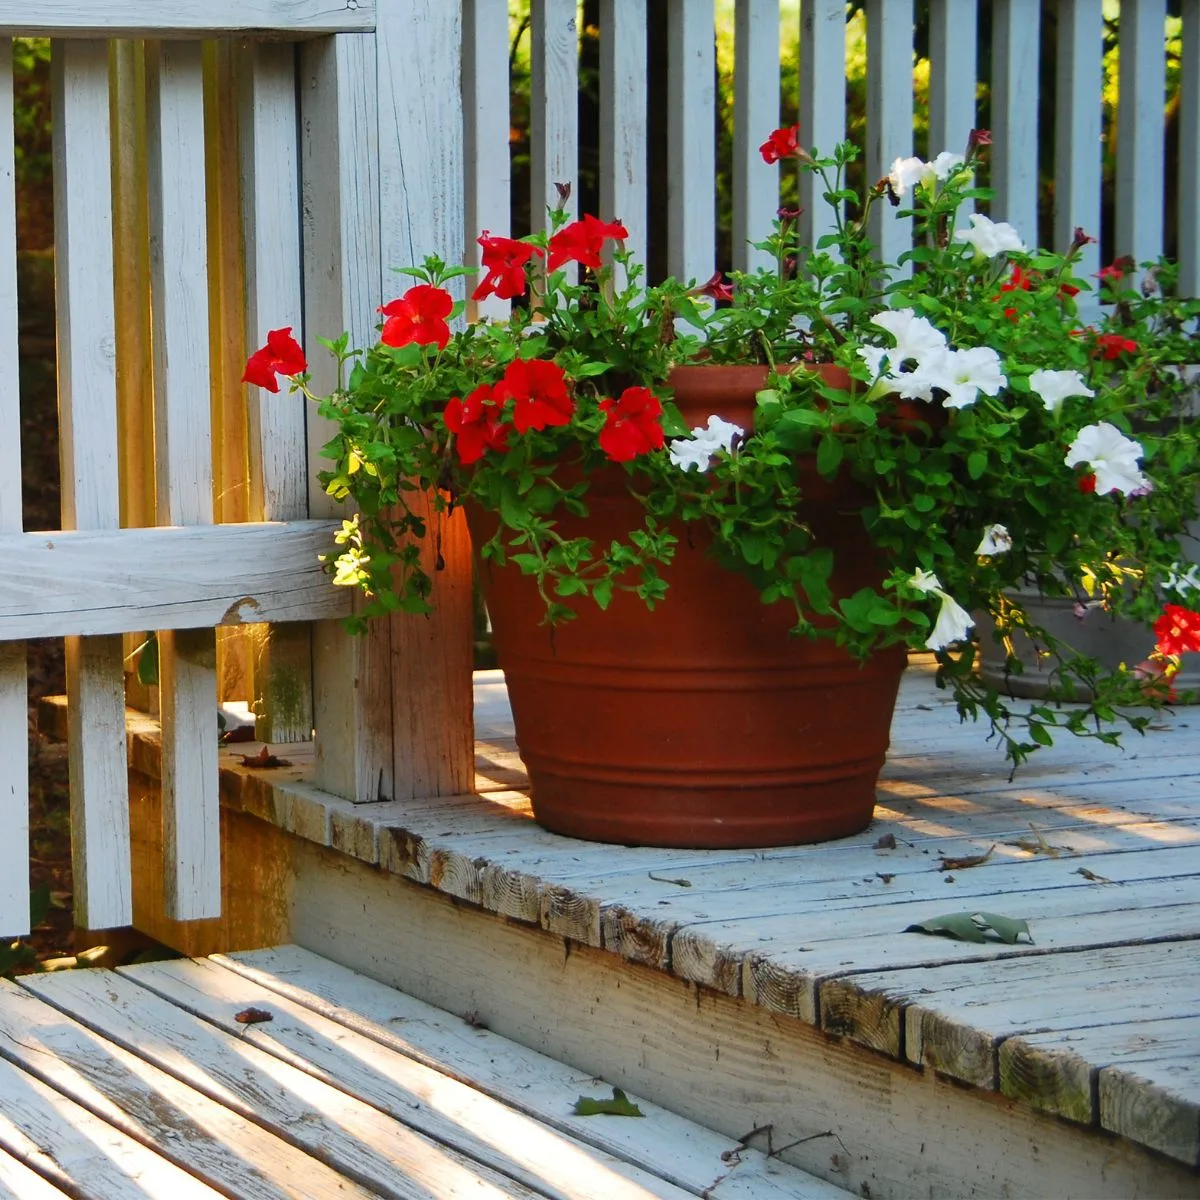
x: 397, y: 146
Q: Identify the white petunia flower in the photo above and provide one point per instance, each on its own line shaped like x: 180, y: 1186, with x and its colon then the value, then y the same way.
x: 996, y: 540
x: 990, y: 237
x: 925, y: 581
x: 945, y: 165
x: 1180, y: 580
x: 952, y: 625
x: 906, y: 173
x: 1112, y: 456
x: 697, y: 450
x: 962, y: 374
x: 915, y: 336
x: 874, y: 357
x: 1053, y: 387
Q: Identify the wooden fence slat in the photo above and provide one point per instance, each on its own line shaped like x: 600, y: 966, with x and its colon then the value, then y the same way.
x: 755, y: 114
x: 953, y: 34
x: 421, y: 191
x: 623, y: 119
x: 352, y: 699
x: 486, y: 159
x: 1078, y: 152
x: 822, y: 107
x: 14, y: 744
x: 183, y: 437
x: 691, y: 149
x: 1015, y: 60
x: 1140, y: 142
x: 889, y: 112
x: 88, y: 449
x: 187, y: 18
x: 1188, y: 216
x: 270, y: 154
x: 553, y: 108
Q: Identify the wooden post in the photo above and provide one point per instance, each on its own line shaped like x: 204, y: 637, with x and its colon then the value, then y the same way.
x: 822, y: 105
x: 755, y: 114
x: 889, y: 113
x: 88, y: 439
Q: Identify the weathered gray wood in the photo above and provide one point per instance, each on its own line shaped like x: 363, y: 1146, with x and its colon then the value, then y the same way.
x: 64, y: 1142
x: 152, y: 1107
x: 679, y: 1151
x: 1165, y: 1117
x: 186, y: 577
x: 889, y: 110
x: 184, y: 18
x: 373, y: 1149
x: 554, y: 108
x: 1014, y: 115
x: 424, y: 1096
x: 19, y: 1182
x: 822, y: 105
x: 623, y: 119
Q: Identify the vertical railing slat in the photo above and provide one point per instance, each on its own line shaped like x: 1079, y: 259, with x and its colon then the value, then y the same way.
x: 183, y: 443
x: 553, y: 107
x: 1015, y: 61
x: 953, y: 34
x: 84, y: 301
x: 1189, y: 152
x: 623, y: 118
x: 343, y: 282
x: 755, y: 114
x: 691, y: 149
x: 421, y: 191
x: 1140, y: 141
x: 1078, y: 153
x: 822, y: 107
x: 488, y: 195
x: 14, y: 741
x: 269, y: 147
x: 889, y: 112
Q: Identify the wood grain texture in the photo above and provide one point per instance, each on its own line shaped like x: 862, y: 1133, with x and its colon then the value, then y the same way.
x: 374, y: 1150
x: 755, y: 114
x: 187, y: 18
x: 19, y: 1182
x: 553, y: 109
x: 84, y: 305
x: 352, y: 701
x: 1142, y: 82
x: 14, y: 791
x: 80, y: 582
x: 691, y: 153
x: 623, y: 119
x: 220, y: 1147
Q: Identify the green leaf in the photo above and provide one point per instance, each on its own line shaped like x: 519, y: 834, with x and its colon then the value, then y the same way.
x: 829, y: 455
x: 602, y: 593
x: 973, y: 927
x: 976, y: 463
x: 147, y: 666
x: 619, y: 1106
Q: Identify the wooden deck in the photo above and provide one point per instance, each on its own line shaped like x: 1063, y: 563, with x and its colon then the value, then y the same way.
x: 1092, y: 1026
x: 143, y: 1082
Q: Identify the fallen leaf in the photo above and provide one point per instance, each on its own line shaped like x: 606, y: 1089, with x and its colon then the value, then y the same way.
x: 663, y: 879
x: 962, y: 864
x: 885, y: 878
x: 619, y: 1106
x: 264, y: 758
x: 1038, y: 844
x: 974, y: 927
x: 1091, y: 876
x: 887, y: 842
x: 252, y: 1016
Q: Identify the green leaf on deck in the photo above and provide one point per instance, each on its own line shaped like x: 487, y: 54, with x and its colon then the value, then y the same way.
x: 619, y: 1106
x: 974, y: 927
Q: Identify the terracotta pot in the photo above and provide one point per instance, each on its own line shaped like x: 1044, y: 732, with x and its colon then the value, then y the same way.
x: 702, y: 723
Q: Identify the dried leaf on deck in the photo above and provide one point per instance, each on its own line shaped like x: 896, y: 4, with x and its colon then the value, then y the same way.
x: 619, y: 1106
x: 664, y: 879
x: 1038, y: 845
x: 252, y: 1016
x: 970, y: 860
x: 887, y: 842
x: 974, y: 927
x: 1091, y: 876
x: 264, y: 758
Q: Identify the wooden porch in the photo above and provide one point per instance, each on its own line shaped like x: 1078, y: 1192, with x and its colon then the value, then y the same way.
x: 777, y: 991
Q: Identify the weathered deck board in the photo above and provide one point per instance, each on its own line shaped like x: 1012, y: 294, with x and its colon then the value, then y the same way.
x: 112, y: 1082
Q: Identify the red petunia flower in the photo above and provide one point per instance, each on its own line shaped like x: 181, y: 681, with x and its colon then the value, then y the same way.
x: 1068, y: 291
x: 716, y: 288
x: 979, y: 137
x: 1116, y: 270
x: 1087, y: 483
x: 280, y: 356
x: 582, y: 241
x: 1019, y: 280
x: 1177, y: 631
x: 418, y: 316
x: 1113, y: 345
x: 632, y: 425
x: 538, y: 390
x: 783, y: 143
x: 475, y: 422
x: 504, y: 259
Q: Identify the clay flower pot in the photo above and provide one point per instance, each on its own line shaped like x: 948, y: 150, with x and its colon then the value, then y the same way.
x: 702, y: 723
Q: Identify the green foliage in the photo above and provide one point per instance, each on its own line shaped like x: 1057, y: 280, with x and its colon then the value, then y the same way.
x: 974, y: 927
x: 31, y: 109
x: 619, y: 1106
